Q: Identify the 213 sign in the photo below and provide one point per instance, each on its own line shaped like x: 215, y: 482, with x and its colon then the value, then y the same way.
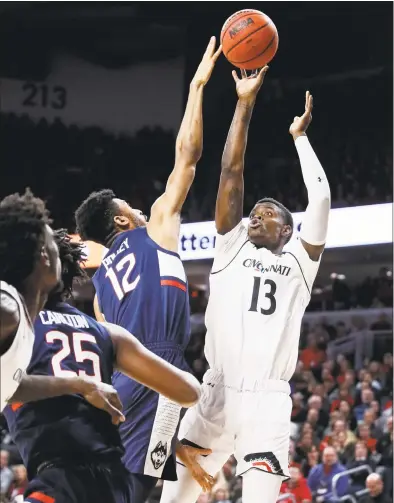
x: 42, y: 95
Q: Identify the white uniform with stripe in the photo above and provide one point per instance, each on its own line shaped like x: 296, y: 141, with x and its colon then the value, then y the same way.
x: 14, y: 362
x: 257, y: 301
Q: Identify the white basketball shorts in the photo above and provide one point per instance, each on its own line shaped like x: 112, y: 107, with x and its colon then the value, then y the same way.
x: 250, y: 421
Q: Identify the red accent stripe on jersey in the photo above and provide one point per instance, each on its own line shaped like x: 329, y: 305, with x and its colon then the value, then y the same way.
x: 263, y: 464
x: 43, y: 498
x: 16, y: 405
x: 171, y: 282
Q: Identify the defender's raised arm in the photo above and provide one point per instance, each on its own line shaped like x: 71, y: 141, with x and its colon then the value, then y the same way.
x: 188, y: 151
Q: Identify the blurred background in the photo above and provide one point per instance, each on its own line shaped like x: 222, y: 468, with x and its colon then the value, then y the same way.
x: 92, y: 96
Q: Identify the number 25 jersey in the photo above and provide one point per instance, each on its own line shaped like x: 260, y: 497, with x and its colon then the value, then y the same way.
x: 256, y: 304
x: 142, y: 287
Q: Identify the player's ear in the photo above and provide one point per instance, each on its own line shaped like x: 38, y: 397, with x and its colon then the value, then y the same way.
x: 287, y: 231
x: 122, y: 222
x: 44, y: 257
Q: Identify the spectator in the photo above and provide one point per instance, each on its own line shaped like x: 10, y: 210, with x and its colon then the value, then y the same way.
x: 370, y: 420
x: 6, y: 473
x: 313, y: 420
x: 361, y: 458
x: 297, y: 486
x: 298, y: 413
x: 312, y: 356
x: 315, y: 402
x: 373, y: 383
x: 367, y: 398
x: 19, y: 484
x: 375, y: 486
x: 312, y: 459
x: 320, y: 477
x: 364, y: 434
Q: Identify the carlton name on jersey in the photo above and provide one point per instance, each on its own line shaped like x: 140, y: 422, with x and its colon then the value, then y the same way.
x: 283, y: 270
x: 54, y: 318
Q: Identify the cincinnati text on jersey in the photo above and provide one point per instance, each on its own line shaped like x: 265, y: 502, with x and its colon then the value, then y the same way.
x: 283, y: 270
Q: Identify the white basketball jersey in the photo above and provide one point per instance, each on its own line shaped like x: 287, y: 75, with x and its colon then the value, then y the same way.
x: 15, y: 361
x: 256, y: 304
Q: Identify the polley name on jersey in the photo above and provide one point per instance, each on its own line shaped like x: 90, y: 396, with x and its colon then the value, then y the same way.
x: 283, y: 270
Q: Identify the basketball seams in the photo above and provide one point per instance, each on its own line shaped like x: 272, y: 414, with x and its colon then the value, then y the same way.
x: 245, y: 37
x: 257, y: 55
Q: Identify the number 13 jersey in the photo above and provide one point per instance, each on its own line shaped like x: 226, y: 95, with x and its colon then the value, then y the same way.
x: 256, y: 304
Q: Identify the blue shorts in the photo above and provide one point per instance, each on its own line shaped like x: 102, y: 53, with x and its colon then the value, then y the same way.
x: 85, y: 483
x: 150, y: 431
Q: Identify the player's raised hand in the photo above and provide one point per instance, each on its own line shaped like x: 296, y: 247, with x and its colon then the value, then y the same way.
x: 105, y: 397
x: 301, y: 124
x: 208, y: 61
x: 248, y: 85
x: 188, y: 456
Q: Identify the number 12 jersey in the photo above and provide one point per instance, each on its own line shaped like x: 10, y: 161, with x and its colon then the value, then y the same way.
x: 256, y: 304
x: 142, y: 287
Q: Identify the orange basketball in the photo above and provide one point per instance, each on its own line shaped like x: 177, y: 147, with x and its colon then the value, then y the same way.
x: 249, y: 39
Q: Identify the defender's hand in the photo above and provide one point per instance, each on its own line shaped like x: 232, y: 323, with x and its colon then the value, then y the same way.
x: 301, y: 124
x: 208, y: 61
x: 105, y: 397
x: 248, y: 86
x: 188, y: 456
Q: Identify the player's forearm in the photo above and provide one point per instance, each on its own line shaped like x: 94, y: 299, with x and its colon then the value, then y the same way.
x: 190, y: 137
x: 230, y: 198
x: 32, y: 388
x: 235, y: 147
x: 315, y: 222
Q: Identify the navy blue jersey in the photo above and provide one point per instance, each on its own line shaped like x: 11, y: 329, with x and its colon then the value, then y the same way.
x: 67, y: 343
x: 143, y: 288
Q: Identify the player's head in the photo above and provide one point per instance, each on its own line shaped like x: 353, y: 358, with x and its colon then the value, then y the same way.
x: 72, y: 257
x: 29, y: 255
x: 270, y: 224
x: 102, y: 215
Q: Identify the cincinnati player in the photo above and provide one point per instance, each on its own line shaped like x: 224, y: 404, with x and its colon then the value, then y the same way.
x: 141, y: 285
x: 71, y: 450
x: 29, y: 269
x: 258, y: 295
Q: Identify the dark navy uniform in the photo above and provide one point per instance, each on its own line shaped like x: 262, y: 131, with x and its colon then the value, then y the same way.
x: 71, y: 450
x: 142, y: 287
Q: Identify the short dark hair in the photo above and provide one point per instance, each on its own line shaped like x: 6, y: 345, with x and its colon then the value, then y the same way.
x: 288, y: 217
x: 72, y: 256
x: 95, y: 216
x: 22, y: 234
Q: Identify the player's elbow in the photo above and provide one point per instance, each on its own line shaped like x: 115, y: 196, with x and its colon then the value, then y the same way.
x: 189, y: 392
x: 188, y: 150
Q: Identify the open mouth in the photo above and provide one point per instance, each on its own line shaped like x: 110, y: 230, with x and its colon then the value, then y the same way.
x: 255, y: 223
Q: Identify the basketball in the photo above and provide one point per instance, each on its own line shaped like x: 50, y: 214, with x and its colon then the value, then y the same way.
x: 249, y: 39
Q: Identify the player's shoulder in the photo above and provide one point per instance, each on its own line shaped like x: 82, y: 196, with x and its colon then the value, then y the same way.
x: 10, y: 309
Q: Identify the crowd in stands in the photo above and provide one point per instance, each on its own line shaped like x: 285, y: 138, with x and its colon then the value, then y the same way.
x: 64, y: 163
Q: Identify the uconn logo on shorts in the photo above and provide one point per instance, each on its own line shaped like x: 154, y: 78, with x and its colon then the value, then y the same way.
x: 159, y: 455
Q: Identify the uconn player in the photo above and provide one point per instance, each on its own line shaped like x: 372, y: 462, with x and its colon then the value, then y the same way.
x: 71, y: 450
x: 258, y: 295
x: 141, y: 285
x: 29, y: 269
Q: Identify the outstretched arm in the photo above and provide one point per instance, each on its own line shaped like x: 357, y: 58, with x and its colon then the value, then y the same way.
x: 163, y: 227
x: 315, y: 223
x: 103, y: 396
x: 230, y: 198
x: 148, y: 369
